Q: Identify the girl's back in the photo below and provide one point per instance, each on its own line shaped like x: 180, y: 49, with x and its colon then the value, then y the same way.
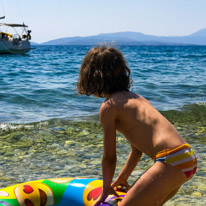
x: 143, y: 126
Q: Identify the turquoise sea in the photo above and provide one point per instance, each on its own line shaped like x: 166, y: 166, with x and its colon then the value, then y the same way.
x: 48, y: 130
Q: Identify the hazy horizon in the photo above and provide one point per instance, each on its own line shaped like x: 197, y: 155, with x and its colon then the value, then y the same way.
x: 54, y: 19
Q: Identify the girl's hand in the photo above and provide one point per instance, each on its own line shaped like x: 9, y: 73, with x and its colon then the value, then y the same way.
x: 124, y: 186
x: 105, y: 194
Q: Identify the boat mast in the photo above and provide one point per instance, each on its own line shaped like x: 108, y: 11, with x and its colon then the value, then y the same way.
x: 21, y: 14
x: 2, y: 17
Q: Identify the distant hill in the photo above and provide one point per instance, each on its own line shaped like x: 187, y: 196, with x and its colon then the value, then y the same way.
x: 200, y: 33
x: 132, y: 38
x: 33, y: 43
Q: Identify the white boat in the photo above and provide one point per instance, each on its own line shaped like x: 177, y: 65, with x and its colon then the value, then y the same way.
x: 16, y: 42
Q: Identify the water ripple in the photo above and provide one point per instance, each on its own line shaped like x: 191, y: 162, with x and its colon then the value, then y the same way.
x: 42, y: 83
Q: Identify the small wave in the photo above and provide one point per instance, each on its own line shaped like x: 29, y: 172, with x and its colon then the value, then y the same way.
x: 194, y: 56
x: 201, y: 103
x: 22, y: 99
x: 12, y: 127
x: 8, y: 126
x: 190, y: 114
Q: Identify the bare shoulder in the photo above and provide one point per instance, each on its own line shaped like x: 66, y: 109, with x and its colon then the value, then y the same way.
x: 118, y: 103
x: 123, y: 97
x: 107, y: 109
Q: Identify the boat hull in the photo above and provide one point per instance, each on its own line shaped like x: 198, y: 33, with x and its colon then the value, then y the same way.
x: 8, y: 47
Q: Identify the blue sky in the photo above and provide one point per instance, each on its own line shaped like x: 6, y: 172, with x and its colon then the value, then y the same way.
x: 52, y: 19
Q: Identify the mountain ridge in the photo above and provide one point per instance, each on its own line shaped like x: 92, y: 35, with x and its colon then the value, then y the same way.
x: 132, y: 38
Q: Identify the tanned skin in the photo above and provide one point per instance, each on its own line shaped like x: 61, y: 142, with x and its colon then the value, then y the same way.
x: 148, y: 132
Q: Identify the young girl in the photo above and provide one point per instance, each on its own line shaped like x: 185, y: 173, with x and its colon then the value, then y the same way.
x: 104, y: 73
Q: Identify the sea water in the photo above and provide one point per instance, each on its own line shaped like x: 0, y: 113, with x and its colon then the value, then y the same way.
x: 48, y: 130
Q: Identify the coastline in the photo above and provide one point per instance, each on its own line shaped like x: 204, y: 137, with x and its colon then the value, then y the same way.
x: 46, y: 130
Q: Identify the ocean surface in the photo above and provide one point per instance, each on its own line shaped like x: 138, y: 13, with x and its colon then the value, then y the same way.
x: 41, y: 85
x: 48, y: 130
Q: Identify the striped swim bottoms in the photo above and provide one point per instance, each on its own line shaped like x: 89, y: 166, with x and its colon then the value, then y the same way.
x: 182, y: 157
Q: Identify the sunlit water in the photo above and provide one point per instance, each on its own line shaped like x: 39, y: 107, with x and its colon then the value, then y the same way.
x: 47, y: 130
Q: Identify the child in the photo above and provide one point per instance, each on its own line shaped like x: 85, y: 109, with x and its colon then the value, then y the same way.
x: 104, y: 73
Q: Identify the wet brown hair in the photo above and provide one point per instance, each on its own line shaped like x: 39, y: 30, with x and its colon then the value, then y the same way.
x: 103, y: 71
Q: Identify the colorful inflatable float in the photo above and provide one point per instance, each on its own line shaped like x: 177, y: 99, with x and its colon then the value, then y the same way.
x: 58, y: 192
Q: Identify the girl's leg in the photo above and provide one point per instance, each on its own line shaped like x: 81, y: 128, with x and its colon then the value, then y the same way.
x: 172, y: 194
x: 155, y: 186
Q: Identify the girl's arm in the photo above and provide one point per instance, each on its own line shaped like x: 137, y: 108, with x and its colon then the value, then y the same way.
x: 107, y: 118
x: 129, y: 166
